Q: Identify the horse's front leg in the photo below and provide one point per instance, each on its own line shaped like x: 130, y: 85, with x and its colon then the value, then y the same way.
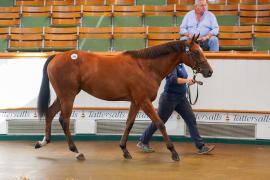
x: 130, y: 121
x: 149, y: 110
x: 52, y: 111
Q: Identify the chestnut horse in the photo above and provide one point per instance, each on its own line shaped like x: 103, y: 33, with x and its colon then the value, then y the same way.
x: 133, y: 76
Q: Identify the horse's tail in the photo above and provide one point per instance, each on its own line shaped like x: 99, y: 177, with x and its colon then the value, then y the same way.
x: 44, y: 96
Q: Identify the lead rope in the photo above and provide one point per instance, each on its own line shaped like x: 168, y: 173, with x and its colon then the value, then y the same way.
x: 189, y: 92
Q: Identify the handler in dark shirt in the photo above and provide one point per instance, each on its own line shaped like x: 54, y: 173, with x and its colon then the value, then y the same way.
x: 174, y: 98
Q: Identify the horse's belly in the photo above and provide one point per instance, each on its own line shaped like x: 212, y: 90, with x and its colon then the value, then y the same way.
x: 109, y: 93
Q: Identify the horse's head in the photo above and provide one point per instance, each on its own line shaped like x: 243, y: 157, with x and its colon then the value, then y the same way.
x: 196, y: 59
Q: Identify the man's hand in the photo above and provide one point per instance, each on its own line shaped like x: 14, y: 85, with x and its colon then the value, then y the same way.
x: 190, y: 82
x: 189, y: 36
x: 204, y: 38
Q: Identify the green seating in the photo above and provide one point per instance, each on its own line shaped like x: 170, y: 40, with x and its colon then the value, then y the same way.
x: 262, y: 38
x: 125, y: 38
x: 227, y: 20
x: 125, y: 44
x: 3, y: 38
x: 262, y: 43
x: 96, y: 21
x: 5, y: 3
x: 151, y: 2
x: 163, y: 21
x: 95, y: 44
x: 3, y: 44
x: 35, y: 21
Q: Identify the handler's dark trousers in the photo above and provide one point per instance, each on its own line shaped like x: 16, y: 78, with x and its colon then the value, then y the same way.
x: 167, y: 104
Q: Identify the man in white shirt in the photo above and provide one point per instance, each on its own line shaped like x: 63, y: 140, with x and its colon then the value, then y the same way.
x: 203, y: 22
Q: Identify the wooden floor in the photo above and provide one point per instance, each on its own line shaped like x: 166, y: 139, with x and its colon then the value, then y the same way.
x: 19, y: 160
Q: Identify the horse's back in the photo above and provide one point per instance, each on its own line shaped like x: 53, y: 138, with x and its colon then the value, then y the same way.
x: 109, y: 77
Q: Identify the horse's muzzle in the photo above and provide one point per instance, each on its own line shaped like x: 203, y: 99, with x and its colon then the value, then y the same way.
x: 208, y: 73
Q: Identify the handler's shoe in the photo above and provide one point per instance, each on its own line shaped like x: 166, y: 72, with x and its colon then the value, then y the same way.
x: 206, y: 149
x: 144, y: 147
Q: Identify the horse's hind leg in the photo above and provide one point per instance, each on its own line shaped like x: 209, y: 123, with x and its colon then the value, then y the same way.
x: 130, y: 121
x: 148, y: 108
x: 66, y: 110
x: 53, y: 109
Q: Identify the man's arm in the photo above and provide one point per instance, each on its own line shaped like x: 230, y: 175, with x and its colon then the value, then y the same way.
x: 173, y: 78
x: 184, y: 27
x: 215, y: 27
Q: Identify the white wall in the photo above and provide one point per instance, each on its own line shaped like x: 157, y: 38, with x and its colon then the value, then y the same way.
x: 235, y: 85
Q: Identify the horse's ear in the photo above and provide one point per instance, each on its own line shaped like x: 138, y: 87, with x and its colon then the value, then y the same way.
x: 193, y: 38
x: 197, y: 37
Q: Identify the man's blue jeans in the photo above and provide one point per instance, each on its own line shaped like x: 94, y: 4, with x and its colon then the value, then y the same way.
x: 167, y: 104
x: 211, y: 44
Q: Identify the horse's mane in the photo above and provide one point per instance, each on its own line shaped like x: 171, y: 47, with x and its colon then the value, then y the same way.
x: 157, y: 51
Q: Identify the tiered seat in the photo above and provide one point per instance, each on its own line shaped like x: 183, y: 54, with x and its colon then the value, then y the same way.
x: 97, y: 16
x: 160, y: 35
x: 60, y: 39
x: 95, y: 38
x: 9, y: 16
x: 90, y: 2
x: 35, y: 16
x: 159, y: 15
x: 227, y: 15
x: 60, y: 2
x: 120, y: 2
x: 217, y: 2
x: 25, y: 39
x: 117, y: 21
x: 254, y: 14
x: 66, y: 16
x: 181, y: 2
x: 263, y: 1
x: 127, y: 16
x: 238, y: 38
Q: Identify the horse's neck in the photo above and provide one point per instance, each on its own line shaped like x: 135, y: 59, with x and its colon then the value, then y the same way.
x: 162, y: 66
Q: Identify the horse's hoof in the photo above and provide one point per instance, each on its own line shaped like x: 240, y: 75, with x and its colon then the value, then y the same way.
x: 127, y: 155
x: 80, y: 157
x: 37, y: 146
x: 175, y: 157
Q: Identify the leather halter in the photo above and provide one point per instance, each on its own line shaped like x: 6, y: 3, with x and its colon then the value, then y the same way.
x: 196, y: 69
